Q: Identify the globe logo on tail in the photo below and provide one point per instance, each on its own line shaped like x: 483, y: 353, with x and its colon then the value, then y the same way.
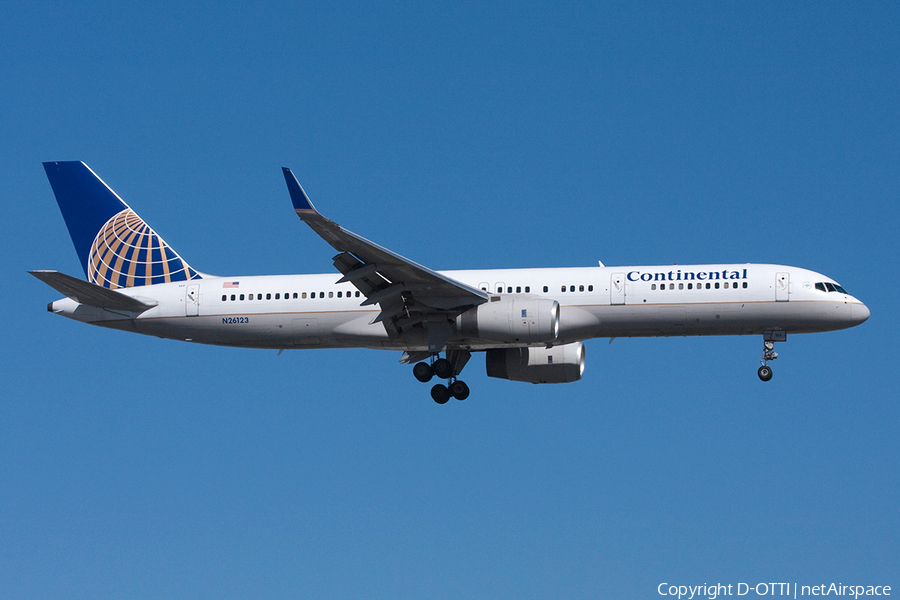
x: 127, y: 253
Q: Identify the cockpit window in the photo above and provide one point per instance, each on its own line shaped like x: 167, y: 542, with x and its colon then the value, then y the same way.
x: 830, y: 287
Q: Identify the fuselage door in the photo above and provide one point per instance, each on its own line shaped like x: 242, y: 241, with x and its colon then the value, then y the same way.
x: 192, y: 300
x: 782, y: 287
x: 617, y: 288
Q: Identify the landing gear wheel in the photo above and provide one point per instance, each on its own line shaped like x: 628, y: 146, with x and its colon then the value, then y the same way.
x: 765, y: 372
x: 423, y: 372
x: 459, y: 390
x: 440, y: 393
x: 442, y: 368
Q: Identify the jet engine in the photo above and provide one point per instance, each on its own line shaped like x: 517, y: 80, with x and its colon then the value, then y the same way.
x: 559, y: 364
x: 512, y: 319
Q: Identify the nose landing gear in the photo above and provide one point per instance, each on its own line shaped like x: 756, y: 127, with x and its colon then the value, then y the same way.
x: 769, y: 339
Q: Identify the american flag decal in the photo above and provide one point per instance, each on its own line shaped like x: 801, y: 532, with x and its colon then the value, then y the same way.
x: 231, y: 284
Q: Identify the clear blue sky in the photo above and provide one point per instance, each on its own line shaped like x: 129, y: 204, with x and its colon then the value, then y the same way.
x: 462, y: 136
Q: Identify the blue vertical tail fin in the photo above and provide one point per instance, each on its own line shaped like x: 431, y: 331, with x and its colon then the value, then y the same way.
x: 116, y: 248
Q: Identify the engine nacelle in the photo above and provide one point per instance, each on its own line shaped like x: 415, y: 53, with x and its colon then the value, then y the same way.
x: 559, y: 364
x: 512, y: 319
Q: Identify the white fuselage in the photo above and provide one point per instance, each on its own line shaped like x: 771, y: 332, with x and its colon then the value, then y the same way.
x: 306, y: 311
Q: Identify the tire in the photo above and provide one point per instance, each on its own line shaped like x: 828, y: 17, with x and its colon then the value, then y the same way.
x: 459, y: 390
x: 442, y: 368
x: 423, y: 372
x: 765, y: 373
x: 440, y: 393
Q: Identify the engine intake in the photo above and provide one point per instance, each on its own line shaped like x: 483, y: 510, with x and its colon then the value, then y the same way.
x: 559, y: 364
x: 512, y: 319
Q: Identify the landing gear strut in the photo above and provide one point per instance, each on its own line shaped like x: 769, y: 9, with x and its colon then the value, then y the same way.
x: 769, y: 339
x: 445, y: 368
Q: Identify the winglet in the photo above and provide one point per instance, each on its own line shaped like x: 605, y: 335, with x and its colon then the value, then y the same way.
x: 298, y: 196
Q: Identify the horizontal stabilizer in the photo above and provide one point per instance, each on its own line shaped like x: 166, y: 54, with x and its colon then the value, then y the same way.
x: 88, y: 293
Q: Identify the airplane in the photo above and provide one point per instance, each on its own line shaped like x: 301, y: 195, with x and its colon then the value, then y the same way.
x: 530, y: 323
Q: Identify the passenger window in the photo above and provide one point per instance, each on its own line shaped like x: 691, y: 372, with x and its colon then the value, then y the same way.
x: 590, y: 288
x: 268, y: 296
x: 509, y: 290
x: 580, y: 288
x: 653, y: 286
x: 707, y: 285
x: 278, y: 296
x: 303, y: 296
x: 671, y: 286
x: 295, y: 295
x: 331, y: 294
x: 357, y: 294
x: 242, y: 297
x: 518, y: 289
x: 232, y: 297
x: 563, y: 288
x: 726, y: 285
x: 339, y: 294
x: 717, y: 285
x: 224, y: 298
x: 546, y: 289
x: 745, y: 285
x: 527, y: 289
x: 680, y: 286
x: 571, y: 288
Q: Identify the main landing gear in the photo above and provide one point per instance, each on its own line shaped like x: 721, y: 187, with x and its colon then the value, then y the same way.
x: 769, y: 339
x: 445, y: 368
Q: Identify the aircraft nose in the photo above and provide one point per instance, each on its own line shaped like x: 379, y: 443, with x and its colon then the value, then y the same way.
x: 859, y: 313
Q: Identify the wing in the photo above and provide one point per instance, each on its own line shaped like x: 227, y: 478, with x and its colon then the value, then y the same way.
x: 414, y: 300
